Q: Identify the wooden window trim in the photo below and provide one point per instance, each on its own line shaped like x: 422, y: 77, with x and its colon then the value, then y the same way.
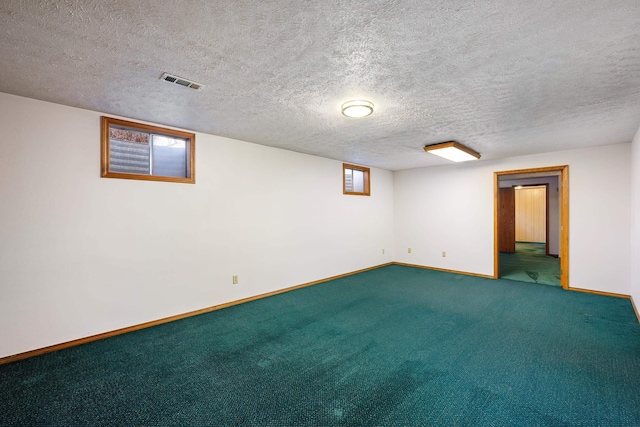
x: 367, y: 180
x: 105, y: 166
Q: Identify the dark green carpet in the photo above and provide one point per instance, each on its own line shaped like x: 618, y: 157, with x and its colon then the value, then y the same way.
x: 530, y: 263
x: 394, y: 346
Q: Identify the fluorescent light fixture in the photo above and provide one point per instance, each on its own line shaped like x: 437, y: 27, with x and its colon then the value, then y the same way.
x: 357, y: 108
x: 452, y: 151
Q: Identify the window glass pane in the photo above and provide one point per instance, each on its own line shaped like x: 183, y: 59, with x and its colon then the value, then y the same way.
x: 355, y: 180
x: 145, y: 152
x: 128, y: 151
x: 358, y: 181
x: 169, y: 156
x: 348, y: 180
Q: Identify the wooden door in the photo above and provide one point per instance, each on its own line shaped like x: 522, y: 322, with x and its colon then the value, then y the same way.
x: 531, y: 214
x: 506, y: 219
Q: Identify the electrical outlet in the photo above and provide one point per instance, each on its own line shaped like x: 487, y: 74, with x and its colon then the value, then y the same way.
x: 235, y: 280
x: 408, y: 250
x: 444, y: 254
x: 383, y: 252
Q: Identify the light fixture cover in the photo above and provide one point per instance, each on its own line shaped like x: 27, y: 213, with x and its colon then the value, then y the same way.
x: 453, y: 151
x: 358, y: 108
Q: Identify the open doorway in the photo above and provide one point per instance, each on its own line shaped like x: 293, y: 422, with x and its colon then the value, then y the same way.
x: 534, y: 256
x: 531, y: 225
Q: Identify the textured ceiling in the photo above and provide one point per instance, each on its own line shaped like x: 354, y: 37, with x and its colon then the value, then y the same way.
x: 502, y: 77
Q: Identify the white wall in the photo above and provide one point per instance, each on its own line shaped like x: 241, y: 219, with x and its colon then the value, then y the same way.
x: 82, y: 255
x: 450, y: 208
x: 635, y: 233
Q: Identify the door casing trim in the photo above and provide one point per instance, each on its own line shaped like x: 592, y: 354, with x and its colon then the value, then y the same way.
x: 564, y: 217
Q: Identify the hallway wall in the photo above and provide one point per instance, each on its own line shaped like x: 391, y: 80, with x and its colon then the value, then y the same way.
x: 554, y: 205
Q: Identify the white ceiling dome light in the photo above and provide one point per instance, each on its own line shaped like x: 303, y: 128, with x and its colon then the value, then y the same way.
x: 358, y: 108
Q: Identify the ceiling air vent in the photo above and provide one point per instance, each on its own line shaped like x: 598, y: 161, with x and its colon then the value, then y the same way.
x: 180, y: 81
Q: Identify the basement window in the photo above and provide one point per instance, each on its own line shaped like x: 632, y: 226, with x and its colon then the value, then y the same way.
x: 138, y: 151
x: 355, y: 180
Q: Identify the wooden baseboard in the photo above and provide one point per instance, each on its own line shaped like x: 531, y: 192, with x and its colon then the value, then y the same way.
x: 80, y: 341
x: 608, y: 294
x: 466, y: 273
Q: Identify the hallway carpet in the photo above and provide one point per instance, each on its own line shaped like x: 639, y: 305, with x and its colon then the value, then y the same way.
x: 530, y: 264
x: 395, y: 346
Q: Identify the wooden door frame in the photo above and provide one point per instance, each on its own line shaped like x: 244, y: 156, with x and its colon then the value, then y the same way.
x: 563, y: 180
